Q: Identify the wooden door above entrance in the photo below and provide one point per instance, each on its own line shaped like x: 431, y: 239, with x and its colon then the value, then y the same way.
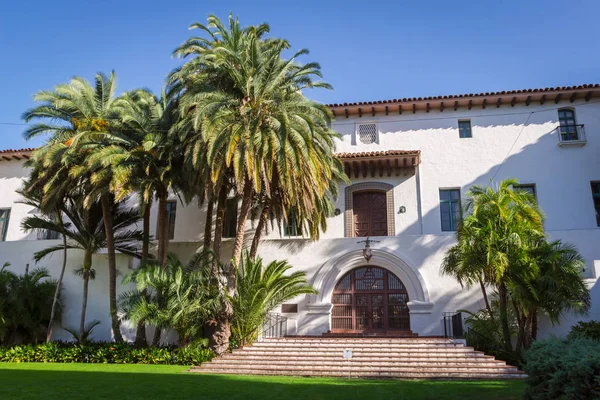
x: 370, y: 300
x: 370, y: 213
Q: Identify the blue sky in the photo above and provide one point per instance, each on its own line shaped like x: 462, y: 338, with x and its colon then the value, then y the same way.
x: 368, y: 50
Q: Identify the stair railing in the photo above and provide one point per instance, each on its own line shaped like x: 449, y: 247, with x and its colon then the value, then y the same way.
x: 453, y: 325
x: 274, y: 326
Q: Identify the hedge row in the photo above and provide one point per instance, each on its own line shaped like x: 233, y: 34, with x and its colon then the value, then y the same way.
x: 104, y: 353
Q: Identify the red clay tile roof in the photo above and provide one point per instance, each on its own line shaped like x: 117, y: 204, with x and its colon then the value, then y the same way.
x: 15, y: 154
x: 379, y: 153
x: 25, y: 150
x: 459, y: 96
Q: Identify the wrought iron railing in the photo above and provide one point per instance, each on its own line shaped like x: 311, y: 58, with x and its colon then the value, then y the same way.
x: 453, y: 325
x: 274, y: 326
x: 570, y: 134
x: 45, y: 234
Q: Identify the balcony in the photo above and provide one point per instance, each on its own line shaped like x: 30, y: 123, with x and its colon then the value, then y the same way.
x: 571, y: 135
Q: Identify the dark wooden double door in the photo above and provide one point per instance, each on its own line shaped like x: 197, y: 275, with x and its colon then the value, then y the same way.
x: 369, y: 300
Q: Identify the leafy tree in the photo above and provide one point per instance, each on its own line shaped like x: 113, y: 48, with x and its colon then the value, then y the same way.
x: 260, y: 288
x: 25, y: 305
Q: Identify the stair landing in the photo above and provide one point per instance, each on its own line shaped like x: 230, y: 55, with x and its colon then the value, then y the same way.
x: 381, y: 357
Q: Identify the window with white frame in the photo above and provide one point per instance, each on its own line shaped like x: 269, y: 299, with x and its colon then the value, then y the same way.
x: 367, y: 133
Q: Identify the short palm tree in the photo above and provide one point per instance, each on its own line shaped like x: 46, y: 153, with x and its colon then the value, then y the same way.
x: 261, y: 288
x: 85, y: 231
x: 173, y: 296
x: 492, y: 241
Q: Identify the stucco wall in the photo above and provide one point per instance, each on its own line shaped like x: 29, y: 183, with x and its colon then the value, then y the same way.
x: 507, y: 142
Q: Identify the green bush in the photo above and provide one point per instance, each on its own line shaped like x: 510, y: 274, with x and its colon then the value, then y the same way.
x: 104, y: 353
x: 563, y: 369
x: 590, y: 330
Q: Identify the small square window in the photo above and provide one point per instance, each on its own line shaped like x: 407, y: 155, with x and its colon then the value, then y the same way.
x: 529, y: 188
x: 464, y: 129
x: 292, y: 227
x: 367, y: 133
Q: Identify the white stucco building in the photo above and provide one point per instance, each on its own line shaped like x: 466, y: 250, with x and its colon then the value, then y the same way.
x: 410, y: 162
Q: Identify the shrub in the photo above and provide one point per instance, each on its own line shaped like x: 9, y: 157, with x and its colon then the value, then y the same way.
x: 590, y: 330
x: 105, y: 353
x: 563, y: 369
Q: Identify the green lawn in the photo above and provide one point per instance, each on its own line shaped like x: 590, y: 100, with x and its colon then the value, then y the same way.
x: 116, y: 382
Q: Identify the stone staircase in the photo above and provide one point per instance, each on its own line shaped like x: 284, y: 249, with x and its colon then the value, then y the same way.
x: 408, y: 358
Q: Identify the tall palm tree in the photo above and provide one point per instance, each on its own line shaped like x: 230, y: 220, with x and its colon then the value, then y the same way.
x: 80, y: 120
x: 85, y: 231
x: 245, y: 100
x: 492, y: 241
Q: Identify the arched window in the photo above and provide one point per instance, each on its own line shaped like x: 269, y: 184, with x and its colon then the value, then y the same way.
x: 568, y: 124
x: 369, y: 299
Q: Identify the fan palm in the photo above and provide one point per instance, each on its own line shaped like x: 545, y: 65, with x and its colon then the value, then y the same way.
x: 85, y: 231
x: 80, y: 120
x: 261, y: 288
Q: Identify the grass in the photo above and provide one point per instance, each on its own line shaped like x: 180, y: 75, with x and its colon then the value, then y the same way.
x: 101, y: 381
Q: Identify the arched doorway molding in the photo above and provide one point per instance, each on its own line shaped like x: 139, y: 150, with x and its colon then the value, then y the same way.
x: 333, y: 270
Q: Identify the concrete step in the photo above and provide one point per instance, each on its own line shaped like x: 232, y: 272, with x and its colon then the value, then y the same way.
x: 355, y: 351
x: 358, y: 368
x: 365, y: 363
x: 359, y: 345
x: 410, y: 374
x: 320, y: 339
x: 478, y: 357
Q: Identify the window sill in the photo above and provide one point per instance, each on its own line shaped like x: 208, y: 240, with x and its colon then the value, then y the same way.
x: 572, y: 143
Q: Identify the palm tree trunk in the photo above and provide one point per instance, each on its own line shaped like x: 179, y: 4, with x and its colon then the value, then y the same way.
x: 502, y: 305
x: 87, y: 266
x: 140, y: 332
x: 486, y: 300
x: 221, y: 201
x: 156, y: 337
x: 262, y: 222
x: 60, y: 279
x: 106, y: 203
x: 241, y: 230
x: 219, y: 340
x: 209, y: 221
x: 163, y: 229
x: 534, y: 324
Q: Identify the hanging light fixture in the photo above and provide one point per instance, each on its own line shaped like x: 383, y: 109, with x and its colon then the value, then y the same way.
x: 367, y: 251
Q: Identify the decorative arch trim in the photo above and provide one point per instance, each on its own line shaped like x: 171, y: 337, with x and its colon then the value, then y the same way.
x: 370, y: 186
x: 332, y: 271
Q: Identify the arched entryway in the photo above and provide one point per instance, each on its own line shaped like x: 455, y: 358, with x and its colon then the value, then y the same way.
x: 369, y: 299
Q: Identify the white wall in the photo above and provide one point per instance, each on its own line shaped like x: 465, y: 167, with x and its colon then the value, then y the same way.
x: 507, y: 142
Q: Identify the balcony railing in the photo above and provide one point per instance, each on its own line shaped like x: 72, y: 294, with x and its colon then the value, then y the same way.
x: 571, y: 135
x: 47, y: 235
